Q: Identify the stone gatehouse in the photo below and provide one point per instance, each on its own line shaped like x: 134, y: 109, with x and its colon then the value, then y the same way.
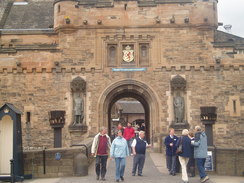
x: 64, y: 63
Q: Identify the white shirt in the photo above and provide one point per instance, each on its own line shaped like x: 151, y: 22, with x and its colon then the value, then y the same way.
x: 134, y: 142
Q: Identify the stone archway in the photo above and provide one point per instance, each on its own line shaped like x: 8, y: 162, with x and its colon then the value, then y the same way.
x: 135, y: 89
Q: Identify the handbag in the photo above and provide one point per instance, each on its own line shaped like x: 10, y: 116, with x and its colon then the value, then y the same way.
x: 179, y: 149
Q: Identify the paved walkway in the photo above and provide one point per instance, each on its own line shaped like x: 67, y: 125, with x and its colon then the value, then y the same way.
x: 154, y: 172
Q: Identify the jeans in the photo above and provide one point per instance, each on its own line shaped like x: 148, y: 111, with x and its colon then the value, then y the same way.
x: 120, y: 167
x: 138, y: 161
x: 171, y: 163
x: 183, y: 163
x: 129, y: 142
x: 200, y: 167
x: 101, y: 165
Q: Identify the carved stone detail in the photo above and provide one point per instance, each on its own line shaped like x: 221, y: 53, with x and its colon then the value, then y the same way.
x: 178, y: 83
x: 78, y: 85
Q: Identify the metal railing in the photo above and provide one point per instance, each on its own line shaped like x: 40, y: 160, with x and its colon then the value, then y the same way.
x: 83, y: 145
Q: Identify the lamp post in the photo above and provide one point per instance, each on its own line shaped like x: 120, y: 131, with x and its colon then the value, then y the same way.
x: 208, y: 117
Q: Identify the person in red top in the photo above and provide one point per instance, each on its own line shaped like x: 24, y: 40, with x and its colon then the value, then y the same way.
x: 100, y: 148
x: 129, y: 134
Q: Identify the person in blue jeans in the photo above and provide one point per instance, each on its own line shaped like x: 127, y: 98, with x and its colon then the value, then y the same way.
x: 119, y: 150
x: 200, y: 152
x: 170, y: 143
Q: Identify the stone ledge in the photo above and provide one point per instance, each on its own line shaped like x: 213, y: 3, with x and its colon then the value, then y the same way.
x: 26, y: 31
x: 16, y: 48
x: 99, y: 70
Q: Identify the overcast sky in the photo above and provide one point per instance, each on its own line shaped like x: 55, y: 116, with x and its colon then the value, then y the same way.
x: 232, y: 12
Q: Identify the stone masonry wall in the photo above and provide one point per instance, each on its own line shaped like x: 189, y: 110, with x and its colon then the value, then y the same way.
x: 34, y: 161
x: 37, y: 67
x: 43, y: 92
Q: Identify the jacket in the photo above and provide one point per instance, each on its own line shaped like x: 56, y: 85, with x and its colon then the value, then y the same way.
x: 200, y: 145
x: 119, y: 148
x: 95, y: 144
x: 129, y: 133
x: 170, y: 151
x: 186, y: 146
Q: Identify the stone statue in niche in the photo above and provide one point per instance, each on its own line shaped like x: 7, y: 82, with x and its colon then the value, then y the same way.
x: 179, y: 108
x: 78, y: 109
x: 178, y: 88
x: 78, y: 87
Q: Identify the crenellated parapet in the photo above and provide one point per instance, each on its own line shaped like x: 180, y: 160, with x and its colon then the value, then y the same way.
x: 93, y: 70
x: 73, y: 15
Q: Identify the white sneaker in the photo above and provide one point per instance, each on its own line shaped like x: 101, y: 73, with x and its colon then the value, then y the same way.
x: 205, y: 179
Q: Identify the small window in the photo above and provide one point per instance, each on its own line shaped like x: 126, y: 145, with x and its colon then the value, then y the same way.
x: 144, y: 54
x: 234, y: 106
x: 112, y: 55
x: 59, y: 7
x: 28, y: 117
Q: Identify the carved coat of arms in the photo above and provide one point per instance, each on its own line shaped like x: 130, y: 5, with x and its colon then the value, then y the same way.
x: 128, y: 54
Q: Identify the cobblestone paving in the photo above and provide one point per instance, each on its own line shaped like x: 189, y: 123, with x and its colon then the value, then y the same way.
x: 154, y: 172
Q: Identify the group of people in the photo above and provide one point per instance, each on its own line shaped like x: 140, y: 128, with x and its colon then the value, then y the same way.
x: 125, y: 144
x: 190, y: 147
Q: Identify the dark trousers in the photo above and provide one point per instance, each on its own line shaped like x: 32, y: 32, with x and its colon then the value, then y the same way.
x: 200, y: 166
x: 171, y: 163
x: 101, y: 165
x: 138, y: 161
x: 129, y: 142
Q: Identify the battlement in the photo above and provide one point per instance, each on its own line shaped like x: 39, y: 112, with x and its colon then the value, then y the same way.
x: 74, y: 14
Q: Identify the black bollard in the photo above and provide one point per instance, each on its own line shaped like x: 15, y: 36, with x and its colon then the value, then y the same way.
x: 12, y: 170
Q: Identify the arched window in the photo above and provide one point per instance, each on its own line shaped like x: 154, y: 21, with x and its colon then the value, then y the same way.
x: 144, y: 54
x: 112, y: 55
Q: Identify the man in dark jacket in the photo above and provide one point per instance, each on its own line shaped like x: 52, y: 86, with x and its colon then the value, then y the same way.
x: 170, y: 143
x: 139, y: 146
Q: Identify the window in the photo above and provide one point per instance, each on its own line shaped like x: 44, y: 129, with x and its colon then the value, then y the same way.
x: 234, y: 106
x: 112, y: 55
x: 59, y: 7
x: 28, y: 117
x: 144, y: 54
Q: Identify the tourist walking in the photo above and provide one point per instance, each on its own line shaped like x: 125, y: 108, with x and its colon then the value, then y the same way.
x: 120, y: 127
x: 129, y: 134
x: 100, y: 148
x: 139, y: 146
x: 200, y: 152
x: 170, y: 143
x: 191, y: 162
x: 142, y: 128
x: 185, y: 154
x: 119, y: 150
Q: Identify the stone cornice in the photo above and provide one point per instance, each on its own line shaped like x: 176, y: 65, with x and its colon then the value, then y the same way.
x: 15, y: 48
x: 92, y: 70
x: 141, y: 3
x: 26, y: 31
x: 57, y: 1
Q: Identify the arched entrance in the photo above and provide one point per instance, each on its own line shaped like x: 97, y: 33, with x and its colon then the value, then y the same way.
x: 130, y: 94
x: 134, y: 89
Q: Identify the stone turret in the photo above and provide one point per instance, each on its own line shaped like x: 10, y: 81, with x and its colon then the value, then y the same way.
x: 142, y: 13
x: 66, y: 14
